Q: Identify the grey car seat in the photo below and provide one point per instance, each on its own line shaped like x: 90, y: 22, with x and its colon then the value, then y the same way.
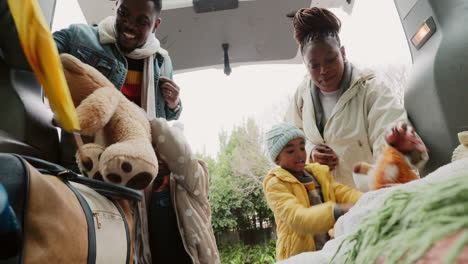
x: 437, y: 94
x: 25, y: 121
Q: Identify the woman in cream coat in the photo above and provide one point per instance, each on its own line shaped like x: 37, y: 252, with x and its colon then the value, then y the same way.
x: 343, y: 111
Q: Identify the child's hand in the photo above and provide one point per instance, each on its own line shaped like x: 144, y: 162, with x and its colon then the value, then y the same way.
x: 345, y: 207
x: 404, y: 139
x: 331, y: 233
x: 341, y: 209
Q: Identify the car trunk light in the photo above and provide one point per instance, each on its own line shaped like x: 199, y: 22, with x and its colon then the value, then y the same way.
x: 424, y: 32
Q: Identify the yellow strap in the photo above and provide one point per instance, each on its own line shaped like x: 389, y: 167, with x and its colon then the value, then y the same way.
x: 41, y: 52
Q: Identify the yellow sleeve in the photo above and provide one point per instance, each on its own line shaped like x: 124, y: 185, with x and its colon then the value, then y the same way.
x: 345, y: 194
x: 286, y: 206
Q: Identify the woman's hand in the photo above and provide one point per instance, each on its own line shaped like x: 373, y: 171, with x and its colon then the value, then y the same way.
x: 170, y: 92
x: 404, y: 139
x: 324, y: 155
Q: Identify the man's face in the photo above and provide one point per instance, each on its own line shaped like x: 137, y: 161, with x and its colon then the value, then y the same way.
x: 136, y: 20
x: 293, y: 156
x: 325, y: 62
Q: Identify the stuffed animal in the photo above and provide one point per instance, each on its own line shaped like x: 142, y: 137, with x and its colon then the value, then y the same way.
x: 122, y: 152
x: 392, y: 168
x: 461, y: 152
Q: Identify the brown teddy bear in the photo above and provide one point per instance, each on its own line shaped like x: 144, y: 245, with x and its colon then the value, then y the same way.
x: 122, y: 152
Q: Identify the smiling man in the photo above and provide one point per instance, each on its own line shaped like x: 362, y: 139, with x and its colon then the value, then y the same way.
x: 125, y: 50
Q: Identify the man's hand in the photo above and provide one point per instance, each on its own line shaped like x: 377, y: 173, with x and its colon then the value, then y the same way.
x: 324, y: 155
x: 170, y: 92
x: 404, y: 139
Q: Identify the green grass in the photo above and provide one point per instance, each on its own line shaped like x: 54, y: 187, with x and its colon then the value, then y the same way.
x: 248, y: 254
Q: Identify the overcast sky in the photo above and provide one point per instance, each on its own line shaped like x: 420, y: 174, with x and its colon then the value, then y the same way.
x: 214, y: 102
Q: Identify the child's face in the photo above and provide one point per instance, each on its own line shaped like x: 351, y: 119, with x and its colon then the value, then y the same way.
x: 293, y: 156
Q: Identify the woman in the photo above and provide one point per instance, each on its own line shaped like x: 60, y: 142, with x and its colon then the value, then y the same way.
x: 343, y: 111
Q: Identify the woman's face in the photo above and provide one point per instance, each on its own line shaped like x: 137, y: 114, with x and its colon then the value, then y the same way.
x: 325, y: 62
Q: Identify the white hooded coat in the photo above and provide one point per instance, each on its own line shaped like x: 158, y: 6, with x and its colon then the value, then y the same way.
x: 356, y: 127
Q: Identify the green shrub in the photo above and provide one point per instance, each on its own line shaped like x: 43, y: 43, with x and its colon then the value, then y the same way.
x: 248, y: 254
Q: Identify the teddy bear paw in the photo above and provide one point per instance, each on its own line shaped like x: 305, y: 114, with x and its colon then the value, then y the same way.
x: 131, y: 172
x: 88, y: 160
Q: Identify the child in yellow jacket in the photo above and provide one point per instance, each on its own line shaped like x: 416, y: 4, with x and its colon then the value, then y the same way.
x: 304, y: 198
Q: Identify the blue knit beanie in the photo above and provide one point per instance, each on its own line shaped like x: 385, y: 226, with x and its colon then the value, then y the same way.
x: 278, y: 136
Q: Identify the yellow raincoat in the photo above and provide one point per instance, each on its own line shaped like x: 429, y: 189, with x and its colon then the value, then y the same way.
x: 296, y: 220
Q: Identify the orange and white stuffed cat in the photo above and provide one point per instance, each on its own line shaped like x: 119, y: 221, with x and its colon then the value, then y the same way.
x: 393, y: 167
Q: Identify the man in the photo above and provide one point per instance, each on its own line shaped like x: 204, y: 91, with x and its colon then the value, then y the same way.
x: 120, y: 46
x: 125, y: 50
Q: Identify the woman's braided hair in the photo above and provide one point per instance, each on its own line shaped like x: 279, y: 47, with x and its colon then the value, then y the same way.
x: 315, y: 24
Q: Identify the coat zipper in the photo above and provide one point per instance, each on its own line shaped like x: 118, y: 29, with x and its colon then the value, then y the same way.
x: 98, y: 214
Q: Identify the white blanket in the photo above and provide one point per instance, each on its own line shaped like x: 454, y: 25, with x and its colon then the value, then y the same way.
x: 367, y: 204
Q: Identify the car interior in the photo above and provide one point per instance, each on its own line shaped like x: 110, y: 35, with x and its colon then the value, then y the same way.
x: 26, y: 126
x: 256, y: 31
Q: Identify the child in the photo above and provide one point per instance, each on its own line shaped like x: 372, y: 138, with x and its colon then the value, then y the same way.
x: 304, y: 198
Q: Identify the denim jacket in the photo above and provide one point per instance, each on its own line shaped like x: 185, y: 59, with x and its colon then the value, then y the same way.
x: 82, y: 41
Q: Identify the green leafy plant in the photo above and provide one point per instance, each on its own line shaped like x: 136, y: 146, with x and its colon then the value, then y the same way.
x: 248, y: 254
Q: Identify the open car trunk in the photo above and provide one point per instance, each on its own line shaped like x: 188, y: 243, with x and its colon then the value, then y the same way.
x: 257, y: 31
